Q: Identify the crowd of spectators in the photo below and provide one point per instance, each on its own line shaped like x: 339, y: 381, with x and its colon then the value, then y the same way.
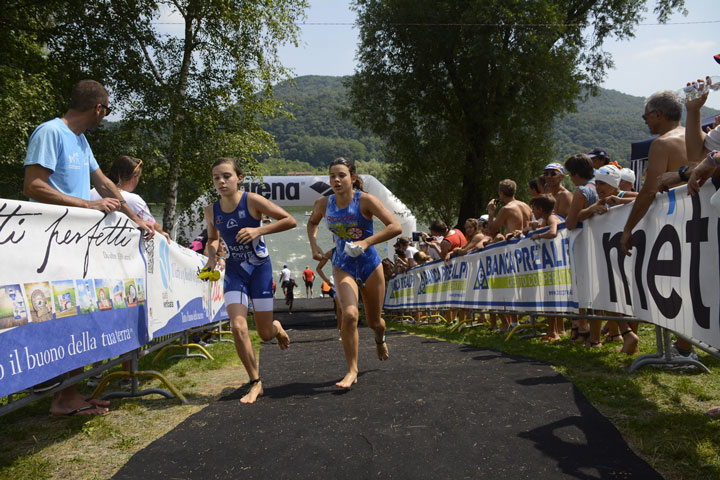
x: 586, y: 184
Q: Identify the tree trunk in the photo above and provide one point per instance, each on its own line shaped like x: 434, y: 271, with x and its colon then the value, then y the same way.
x: 472, y: 203
x: 173, y: 180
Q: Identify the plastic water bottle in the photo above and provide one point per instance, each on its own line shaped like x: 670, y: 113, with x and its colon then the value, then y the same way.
x: 691, y: 92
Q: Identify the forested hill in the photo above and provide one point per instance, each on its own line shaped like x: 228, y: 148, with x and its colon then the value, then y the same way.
x: 318, y: 134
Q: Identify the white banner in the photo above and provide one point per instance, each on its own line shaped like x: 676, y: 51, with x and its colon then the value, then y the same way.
x: 518, y: 275
x: 75, y: 289
x: 72, y: 290
x: 670, y: 280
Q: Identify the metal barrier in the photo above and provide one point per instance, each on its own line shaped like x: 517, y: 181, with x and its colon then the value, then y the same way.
x: 160, y: 344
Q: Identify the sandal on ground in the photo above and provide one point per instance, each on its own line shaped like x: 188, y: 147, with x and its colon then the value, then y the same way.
x: 582, y: 335
x: 574, y: 333
x: 713, y: 413
x: 611, y: 338
x: 545, y: 338
x: 590, y: 344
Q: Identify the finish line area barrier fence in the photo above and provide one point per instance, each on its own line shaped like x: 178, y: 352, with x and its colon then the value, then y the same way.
x: 670, y: 281
x: 79, y: 287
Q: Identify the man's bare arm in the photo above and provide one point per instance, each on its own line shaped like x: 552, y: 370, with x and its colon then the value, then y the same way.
x: 36, y: 186
x: 657, y: 165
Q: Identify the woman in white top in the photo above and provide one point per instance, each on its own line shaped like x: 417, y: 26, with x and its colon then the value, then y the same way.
x: 125, y: 173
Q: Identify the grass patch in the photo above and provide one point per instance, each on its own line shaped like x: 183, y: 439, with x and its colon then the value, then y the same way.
x: 37, y: 446
x: 659, y: 412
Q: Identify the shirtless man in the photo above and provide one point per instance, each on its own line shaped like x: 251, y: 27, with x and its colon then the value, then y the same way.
x: 514, y: 215
x: 554, y: 174
x: 667, y: 154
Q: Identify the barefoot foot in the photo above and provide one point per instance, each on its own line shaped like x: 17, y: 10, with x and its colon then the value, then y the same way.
x: 630, y: 343
x: 282, y: 337
x: 256, y: 390
x: 382, y: 349
x: 349, y: 380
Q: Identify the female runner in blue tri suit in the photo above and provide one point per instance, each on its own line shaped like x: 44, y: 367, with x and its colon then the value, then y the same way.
x: 349, y: 214
x: 248, y: 272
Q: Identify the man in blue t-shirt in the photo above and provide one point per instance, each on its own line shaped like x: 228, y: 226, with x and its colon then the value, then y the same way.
x: 59, y: 167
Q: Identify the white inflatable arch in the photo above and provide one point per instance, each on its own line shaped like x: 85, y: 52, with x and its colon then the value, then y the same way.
x: 302, y: 191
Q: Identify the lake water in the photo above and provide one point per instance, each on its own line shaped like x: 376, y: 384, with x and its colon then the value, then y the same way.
x: 292, y: 248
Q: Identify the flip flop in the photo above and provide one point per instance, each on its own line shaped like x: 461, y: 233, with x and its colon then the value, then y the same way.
x: 81, y: 409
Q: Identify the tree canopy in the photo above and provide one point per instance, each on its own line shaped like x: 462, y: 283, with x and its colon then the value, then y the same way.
x: 466, y: 93
x: 186, y: 99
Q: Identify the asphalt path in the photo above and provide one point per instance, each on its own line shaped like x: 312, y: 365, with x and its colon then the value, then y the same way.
x: 433, y: 410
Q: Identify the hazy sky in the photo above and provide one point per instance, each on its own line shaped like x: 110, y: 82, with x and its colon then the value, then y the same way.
x: 659, y: 57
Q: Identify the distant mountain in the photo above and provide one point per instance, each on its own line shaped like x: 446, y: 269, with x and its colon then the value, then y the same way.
x: 611, y: 120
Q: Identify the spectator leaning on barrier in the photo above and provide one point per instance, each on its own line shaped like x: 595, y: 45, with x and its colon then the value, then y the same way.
x: 700, y: 146
x: 542, y: 207
x: 554, y: 174
x: 514, y: 214
x: 59, y: 167
x: 450, y: 238
x: 581, y: 171
x: 627, y: 180
x: 125, y: 172
x: 607, y: 182
x: 476, y: 239
x: 667, y: 155
x: 403, y: 242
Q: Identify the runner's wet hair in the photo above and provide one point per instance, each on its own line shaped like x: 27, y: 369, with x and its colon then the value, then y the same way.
x: 358, y: 183
x: 229, y: 160
x: 124, y: 168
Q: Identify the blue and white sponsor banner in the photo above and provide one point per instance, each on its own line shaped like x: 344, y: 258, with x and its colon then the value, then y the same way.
x: 671, y: 279
x: 178, y: 298
x: 72, y: 290
x: 518, y: 275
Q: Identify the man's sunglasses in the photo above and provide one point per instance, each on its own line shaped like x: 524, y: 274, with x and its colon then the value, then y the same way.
x: 645, y: 115
x: 550, y: 173
x: 107, y: 109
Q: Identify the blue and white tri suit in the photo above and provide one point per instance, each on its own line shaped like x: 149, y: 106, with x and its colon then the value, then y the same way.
x: 349, y: 225
x: 248, y: 271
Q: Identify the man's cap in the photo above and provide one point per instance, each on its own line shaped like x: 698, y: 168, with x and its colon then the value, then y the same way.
x: 285, y: 266
x: 555, y: 166
x: 484, y: 218
x: 598, y: 152
x: 628, y: 175
x: 608, y: 174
